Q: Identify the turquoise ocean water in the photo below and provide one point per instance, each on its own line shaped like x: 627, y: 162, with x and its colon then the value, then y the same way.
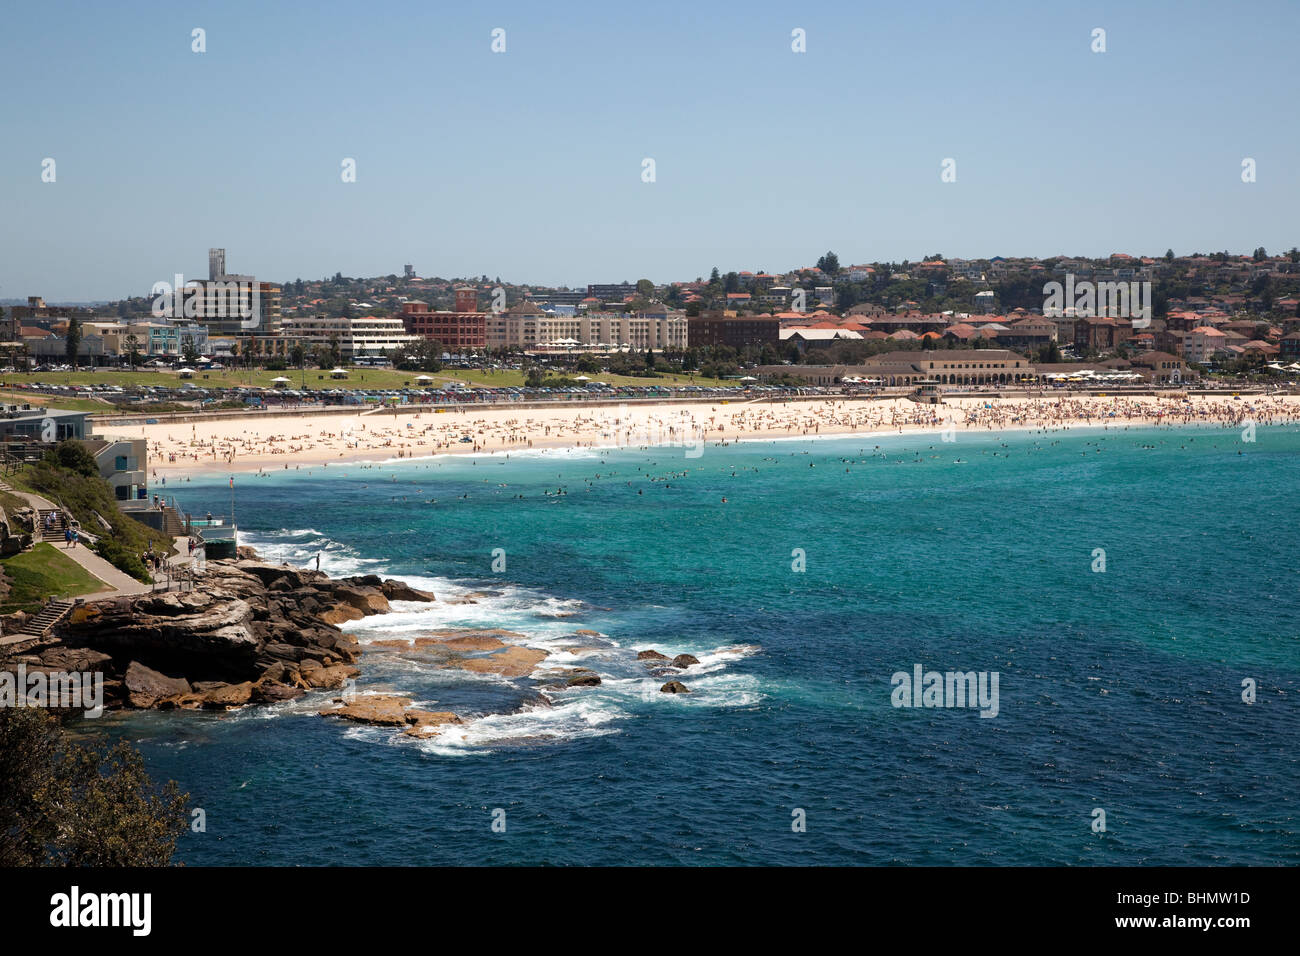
x: 1119, y: 690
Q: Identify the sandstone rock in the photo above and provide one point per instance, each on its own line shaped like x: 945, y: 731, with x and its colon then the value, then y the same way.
x: 229, y: 696
x: 587, y: 633
x: 651, y: 656
x: 584, y: 680
x: 284, y: 652
x: 78, y: 659
x: 387, y: 710
x: 475, y: 632
x: 674, y: 687
x: 363, y: 581
x: 512, y: 662
x: 146, y: 687
x: 271, y: 692
x: 685, y: 660
x: 365, y: 600
x: 467, y: 643
x: 400, y: 591
x: 425, y: 723
x: 330, y: 677
x: 341, y: 614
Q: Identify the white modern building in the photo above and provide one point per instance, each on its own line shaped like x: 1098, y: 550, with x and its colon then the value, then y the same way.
x: 367, y: 335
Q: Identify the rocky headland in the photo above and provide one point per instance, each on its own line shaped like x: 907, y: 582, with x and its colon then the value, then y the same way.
x: 250, y: 632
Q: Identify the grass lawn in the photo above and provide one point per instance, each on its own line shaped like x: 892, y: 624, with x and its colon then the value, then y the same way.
x: 43, y: 573
x: 57, y: 402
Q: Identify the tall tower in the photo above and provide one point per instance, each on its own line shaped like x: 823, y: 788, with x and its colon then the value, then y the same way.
x: 216, y: 263
x: 466, y: 299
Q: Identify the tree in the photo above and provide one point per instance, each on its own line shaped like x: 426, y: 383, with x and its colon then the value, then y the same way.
x: 297, y: 354
x: 1260, y: 255
x: 1169, y: 255
x: 189, y: 353
x: 68, y: 804
x: 644, y: 288
x: 74, y: 340
x: 132, y: 349
x: 74, y: 456
x: 829, y: 264
x: 335, y: 355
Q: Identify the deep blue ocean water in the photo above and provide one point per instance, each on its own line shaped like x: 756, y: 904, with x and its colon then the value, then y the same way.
x: 1119, y: 690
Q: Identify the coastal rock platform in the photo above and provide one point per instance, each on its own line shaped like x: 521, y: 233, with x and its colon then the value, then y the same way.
x: 250, y: 632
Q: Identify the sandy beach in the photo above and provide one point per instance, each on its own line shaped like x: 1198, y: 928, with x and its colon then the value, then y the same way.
x: 287, y: 443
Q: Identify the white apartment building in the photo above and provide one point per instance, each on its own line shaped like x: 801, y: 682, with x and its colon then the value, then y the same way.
x: 367, y: 335
x: 522, y: 327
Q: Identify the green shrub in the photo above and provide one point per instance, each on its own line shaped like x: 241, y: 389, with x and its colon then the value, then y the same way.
x: 123, y: 558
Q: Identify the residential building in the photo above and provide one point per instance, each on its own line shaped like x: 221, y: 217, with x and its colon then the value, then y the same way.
x: 122, y: 463
x: 1200, y: 344
x: 364, y: 335
x: 712, y: 329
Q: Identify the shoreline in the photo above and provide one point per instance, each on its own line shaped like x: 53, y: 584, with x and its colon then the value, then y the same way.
x: 292, y: 444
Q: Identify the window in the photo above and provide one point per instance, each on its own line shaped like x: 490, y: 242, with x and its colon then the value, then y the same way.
x: 120, y: 463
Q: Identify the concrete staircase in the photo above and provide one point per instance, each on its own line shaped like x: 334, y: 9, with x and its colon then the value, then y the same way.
x: 41, y: 533
x: 173, y: 523
x: 51, y: 614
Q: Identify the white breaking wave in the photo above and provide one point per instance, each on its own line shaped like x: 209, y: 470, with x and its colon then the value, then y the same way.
x: 298, y: 548
x: 587, y: 717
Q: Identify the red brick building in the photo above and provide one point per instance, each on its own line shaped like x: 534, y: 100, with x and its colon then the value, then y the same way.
x: 463, y: 328
x: 737, y: 332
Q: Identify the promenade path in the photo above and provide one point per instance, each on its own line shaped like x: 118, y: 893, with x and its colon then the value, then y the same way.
x: 119, y: 582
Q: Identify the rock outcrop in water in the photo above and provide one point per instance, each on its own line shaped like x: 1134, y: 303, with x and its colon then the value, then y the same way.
x: 391, y: 710
x: 249, y: 632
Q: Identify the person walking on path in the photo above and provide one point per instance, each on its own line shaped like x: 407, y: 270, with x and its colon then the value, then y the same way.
x: 67, y: 538
x: 73, y: 532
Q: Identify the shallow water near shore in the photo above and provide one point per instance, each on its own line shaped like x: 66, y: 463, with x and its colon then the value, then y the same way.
x: 1119, y: 690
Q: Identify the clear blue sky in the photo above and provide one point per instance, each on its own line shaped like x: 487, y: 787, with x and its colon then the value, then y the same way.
x: 527, y: 164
